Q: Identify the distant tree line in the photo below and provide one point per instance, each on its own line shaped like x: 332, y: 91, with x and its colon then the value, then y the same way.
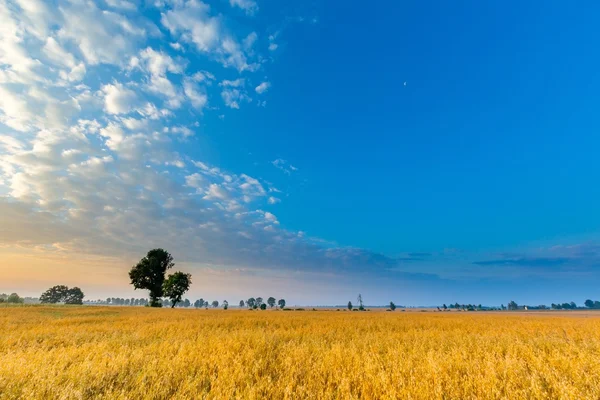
x: 258, y: 303
x: 117, y: 301
x: 12, y: 298
x: 564, y: 306
x: 592, y: 304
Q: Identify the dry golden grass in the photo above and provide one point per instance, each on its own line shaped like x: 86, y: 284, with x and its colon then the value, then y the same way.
x: 141, y: 353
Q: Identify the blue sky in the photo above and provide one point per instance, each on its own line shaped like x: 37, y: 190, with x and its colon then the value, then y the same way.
x: 421, y: 153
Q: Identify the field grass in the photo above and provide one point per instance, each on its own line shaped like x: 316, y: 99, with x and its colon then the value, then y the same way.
x: 140, y: 353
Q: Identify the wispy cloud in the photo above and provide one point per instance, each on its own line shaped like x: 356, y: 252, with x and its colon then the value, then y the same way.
x: 284, y: 166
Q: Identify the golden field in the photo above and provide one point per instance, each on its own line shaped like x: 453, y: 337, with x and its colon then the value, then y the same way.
x: 140, y: 353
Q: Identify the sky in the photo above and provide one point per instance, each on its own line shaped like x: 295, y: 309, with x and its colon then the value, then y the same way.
x: 411, y: 152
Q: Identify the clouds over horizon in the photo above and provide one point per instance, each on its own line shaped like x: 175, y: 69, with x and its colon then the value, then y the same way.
x: 92, y: 109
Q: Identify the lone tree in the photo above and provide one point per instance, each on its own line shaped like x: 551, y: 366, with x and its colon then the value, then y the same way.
x: 215, y: 304
x: 281, y: 303
x: 242, y: 303
x: 175, y: 286
x: 392, y: 306
x: 55, y: 294
x: 251, y: 302
x: 225, y: 304
x: 62, y: 294
x: 350, y: 305
x: 271, y: 301
x: 150, y: 272
x: 360, y: 303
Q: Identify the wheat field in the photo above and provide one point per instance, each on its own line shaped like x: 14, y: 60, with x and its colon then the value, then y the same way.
x: 140, y: 353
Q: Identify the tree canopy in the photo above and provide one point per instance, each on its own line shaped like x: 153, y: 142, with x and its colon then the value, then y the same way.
x: 175, y: 286
x: 62, y: 294
x: 149, y: 274
x: 55, y: 294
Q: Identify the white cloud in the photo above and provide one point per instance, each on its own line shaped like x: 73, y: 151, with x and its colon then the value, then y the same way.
x: 263, y: 87
x: 101, y: 36
x: 156, y: 64
x: 195, y: 93
x: 216, y: 192
x: 122, y: 4
x: 134, y: 124
x: 191, y: 20
x: 274, y: 200
x: 284, y: 166
x: 233, y: 93
x: 271, y: 218
x: 249, y: 41
x: 195, y: 181
x: 15, y: 111
x: 249, y: 6
x: 251, y: 186
x: 176, y: 46
x: 236, y: 83
x: 181, y: 130
x: 118, y: 99
x: 272, y: 45
x: 61, y: 57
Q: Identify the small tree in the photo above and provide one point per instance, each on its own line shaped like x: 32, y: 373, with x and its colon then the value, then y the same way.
x: 259, y: 301
x: 263, y: 306
x: 271, y: 301
x: 445, y: 307
x: 281, y: 303
x: 350, y: 305
x: 392, y: 306
x: 242, y: 303
x: 149, y: 274
x: 589, y: 303
x: 215, y: 304
x: 225, y: 304
x: 251, y: 302
x: 572, y: 305
x: 175, y: 286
